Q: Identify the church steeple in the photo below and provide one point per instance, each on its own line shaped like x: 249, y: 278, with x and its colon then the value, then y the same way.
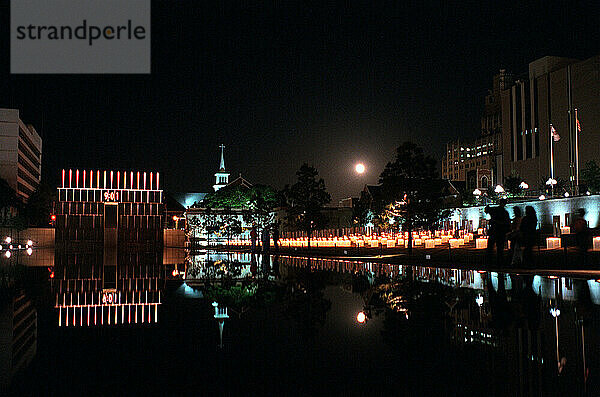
x: 221, y: 176
x: 222, y: 167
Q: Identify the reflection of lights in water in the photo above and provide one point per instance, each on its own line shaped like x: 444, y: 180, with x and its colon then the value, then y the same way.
x: 361, y: 318
x: 189, y: 292
x: 29, y: 251
x: 479, y: 299
x: 555, y: 312
x: 7, y: 254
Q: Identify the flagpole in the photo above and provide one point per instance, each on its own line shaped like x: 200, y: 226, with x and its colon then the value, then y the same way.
x: 576, y: 152
x: 551, y: 153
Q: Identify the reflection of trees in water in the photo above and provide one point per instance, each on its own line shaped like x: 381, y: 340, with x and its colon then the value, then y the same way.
x: 305, y: 301
x: 422, y: 305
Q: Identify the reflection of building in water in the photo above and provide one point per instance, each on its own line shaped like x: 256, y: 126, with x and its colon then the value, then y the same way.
x: 209, y: 268
x: 109, y: 248
x: 18, y: 336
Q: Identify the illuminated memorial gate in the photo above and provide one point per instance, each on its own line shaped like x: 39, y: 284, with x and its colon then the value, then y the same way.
x: 108, y: 248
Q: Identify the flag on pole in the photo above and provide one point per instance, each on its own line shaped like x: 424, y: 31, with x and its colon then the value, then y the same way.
x: 554, y: 134
x: 578, y: 125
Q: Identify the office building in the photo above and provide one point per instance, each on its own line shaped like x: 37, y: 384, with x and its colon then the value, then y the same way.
x: 478, y: 162
x: 20, y: 154
x: 551, y: 121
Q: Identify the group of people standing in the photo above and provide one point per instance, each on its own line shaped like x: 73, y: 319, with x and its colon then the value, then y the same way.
x: 522, y: 231
x: 265, y: 238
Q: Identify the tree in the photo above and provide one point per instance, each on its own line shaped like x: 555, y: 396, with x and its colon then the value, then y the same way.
x: 39, y: 206
x: 591, y: 175
x: 361, y: 212
x: 8, y: 203
x: 305, y: 200
x: 512, y: 185
x: 260, y: 201
x: 230, y: 197
x: 412, y: 194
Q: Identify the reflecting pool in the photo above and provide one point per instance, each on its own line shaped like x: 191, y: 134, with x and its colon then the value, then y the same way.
x: 146, y: 324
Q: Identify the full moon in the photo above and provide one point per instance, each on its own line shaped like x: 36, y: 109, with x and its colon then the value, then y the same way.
x: 360, y: 168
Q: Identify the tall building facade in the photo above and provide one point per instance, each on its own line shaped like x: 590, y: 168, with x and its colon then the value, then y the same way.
x: 108, y: 247
x: 551, y: 121
x: 478, y: 162
x: 20, y: 154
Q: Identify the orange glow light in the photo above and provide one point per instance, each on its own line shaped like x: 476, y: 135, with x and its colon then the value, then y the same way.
x: 361, y: 318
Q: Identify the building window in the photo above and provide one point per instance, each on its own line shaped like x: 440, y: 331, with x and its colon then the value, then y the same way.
x: 484, y: 182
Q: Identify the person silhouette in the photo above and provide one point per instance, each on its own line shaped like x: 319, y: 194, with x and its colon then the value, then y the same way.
x: 528, y: 234
x: 582, y: 235
x: 499, y: 226
x: 514, y: 237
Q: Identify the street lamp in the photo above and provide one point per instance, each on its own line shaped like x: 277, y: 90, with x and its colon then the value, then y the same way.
x: 551, y: 182
x: 523, y: 185
x: 542, y: 197
x: 555, y: 312
x: 499, y: 189
x: 477, y: 192
x: 479, y: 300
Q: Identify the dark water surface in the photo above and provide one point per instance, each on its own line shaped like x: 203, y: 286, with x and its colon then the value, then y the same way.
x: 293, y: 330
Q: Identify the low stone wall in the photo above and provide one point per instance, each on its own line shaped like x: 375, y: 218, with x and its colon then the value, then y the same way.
x: 42, y: 237
x: 545, y: 210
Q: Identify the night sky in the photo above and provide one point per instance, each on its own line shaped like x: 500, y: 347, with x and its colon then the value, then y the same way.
x: 282, y: 84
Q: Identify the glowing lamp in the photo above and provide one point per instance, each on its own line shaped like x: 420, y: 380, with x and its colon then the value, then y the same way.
x: 481, y: 243
x: 8, y: 240
x: 596, y: 244
x: 29, y: 243
x: 477, y: 192
x: 555, y: 312
x: 175, y: 218
x: 551, y: 182
x: 175, y: 272
x: 524, y: 185
x: 552, y: 242
x: 360, y: 168
x: 52, y: 217
x: 29, y: 251
x: 7, y: 254
x: 499, y: 189
x: 567, y: 194
x: 361, y: 318
x: 542, y: 197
